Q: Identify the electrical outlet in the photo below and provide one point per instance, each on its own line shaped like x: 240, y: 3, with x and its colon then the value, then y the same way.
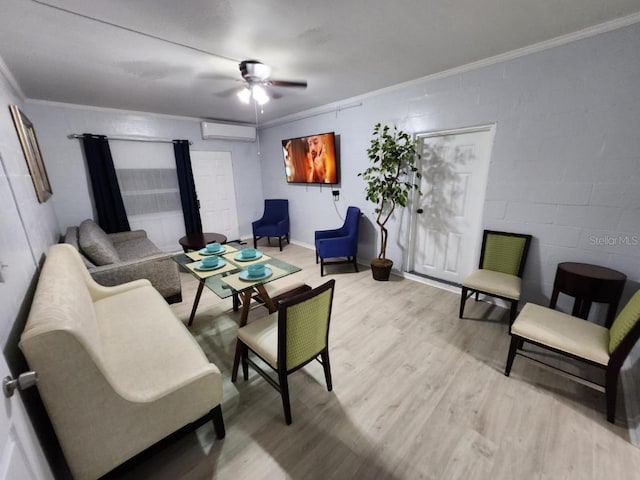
x: 336, y: 195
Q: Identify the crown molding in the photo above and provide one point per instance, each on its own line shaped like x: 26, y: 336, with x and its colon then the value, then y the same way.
x: 76, y: 106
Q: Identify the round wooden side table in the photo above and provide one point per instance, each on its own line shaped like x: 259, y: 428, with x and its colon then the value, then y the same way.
x: 196, y: 241
x: 588, y: 284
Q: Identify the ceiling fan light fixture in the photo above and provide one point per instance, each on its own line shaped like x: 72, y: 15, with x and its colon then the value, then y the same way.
x: 244, y: 95
x: 259, y: 95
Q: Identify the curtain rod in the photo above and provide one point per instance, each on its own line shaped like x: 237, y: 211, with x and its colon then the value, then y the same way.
x: 131, y: 139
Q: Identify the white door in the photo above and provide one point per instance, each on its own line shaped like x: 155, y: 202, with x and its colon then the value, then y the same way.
x: 20, y: 453
x: 22, y: 457
x: 448, y: 216
x: 213, y: 176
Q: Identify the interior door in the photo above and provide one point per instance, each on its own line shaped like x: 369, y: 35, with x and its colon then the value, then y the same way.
x: 213, y: 177
x: 20, y: 453
x: 448, y: 217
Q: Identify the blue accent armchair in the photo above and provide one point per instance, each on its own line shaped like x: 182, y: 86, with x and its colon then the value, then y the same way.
x: 274, y: 222
x: 342, y: 242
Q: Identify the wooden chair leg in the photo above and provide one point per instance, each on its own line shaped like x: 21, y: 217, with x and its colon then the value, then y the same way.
x: 218, y: 422
x: 611, y: 392
x: 245, y: 363
x: 463, y: 299
x: 280, y: 242
x: 512, y: 354
x: 477, y: 296
x: 327, y: 369
x: 322, y: 267
x: 284, y: 392
x: 255, y: 242
x: 316, y: 257
x: 514, y: 311
x: 355, y: 263
x: 236, y: 301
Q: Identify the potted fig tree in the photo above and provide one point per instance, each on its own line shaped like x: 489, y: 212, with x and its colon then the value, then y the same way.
x: 393, y: 155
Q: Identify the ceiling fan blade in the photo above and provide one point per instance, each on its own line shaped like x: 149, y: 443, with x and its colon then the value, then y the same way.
x: 272, y: 92
x: 288, y: 83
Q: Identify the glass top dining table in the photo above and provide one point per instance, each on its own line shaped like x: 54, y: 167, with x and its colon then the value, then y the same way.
x: 226, y: 281
x: 231, y: 280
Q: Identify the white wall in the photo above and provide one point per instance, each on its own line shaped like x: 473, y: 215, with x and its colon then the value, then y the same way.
x: 565, y: 164
x: 28, y: 231
x: 66, y: 165
x: 25, y: 235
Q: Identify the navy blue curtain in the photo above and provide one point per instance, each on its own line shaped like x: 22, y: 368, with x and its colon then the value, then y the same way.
x: 112, y: 216
x: 188, y: 196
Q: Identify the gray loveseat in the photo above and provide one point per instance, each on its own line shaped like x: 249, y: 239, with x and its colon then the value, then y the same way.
x: 116, y: 258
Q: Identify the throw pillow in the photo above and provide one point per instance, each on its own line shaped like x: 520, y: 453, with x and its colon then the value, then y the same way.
x: 95, y: 244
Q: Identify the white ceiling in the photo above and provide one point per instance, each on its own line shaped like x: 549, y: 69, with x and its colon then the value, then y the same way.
x: 88, y: 52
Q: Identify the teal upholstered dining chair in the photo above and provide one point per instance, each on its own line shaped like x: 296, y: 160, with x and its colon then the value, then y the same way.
x: 290, y: 338
x: 502, y: 261
x: 580, y: 339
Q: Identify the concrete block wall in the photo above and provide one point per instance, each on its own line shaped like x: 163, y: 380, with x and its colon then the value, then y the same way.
x: 66, y: 165
x: 565, y: 162
x: 27, y: 227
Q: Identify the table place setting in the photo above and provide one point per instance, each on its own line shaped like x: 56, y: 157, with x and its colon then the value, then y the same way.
x: 212, y: 249
x: 250, y: 276
x: 246, y: 257
x: 211, y: 265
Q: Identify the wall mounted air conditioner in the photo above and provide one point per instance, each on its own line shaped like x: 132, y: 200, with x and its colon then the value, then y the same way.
x: 228, y: 131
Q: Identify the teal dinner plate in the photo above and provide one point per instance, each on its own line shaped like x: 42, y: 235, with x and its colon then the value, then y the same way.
x: 204, y: 251
x: 239, y: 258
x: 221, y: 263
x: 244, y: 275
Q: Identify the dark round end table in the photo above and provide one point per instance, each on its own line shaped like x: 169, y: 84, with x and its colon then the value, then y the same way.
x: 588, y: 283
x: 196, y: 241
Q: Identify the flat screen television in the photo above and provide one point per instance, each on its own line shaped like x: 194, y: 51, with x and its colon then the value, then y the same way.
x: 311, y: 159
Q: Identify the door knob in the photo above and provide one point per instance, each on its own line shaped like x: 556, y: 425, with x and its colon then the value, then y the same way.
x: 24, y: 380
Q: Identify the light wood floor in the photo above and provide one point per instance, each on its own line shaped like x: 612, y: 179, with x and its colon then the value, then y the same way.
x: 418, y: 393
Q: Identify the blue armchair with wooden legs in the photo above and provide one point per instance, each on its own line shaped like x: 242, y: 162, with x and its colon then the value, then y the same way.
x: 274, y: 222
x: 341, y: 242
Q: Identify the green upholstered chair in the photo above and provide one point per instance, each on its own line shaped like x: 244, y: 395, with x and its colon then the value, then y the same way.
x: 576, y: 338
x: 502, y: 261
x: 290, y: 338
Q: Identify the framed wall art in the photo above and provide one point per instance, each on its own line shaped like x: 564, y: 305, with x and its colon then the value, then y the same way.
x: 29, y: 142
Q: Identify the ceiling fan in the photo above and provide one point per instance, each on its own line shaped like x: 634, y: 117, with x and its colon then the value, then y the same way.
x: 256, y: 76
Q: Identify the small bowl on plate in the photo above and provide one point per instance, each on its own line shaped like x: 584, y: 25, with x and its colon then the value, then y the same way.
x: 249, y: 253
x: 256, y: 270
x: 213, y: 247
x: 210, y: 262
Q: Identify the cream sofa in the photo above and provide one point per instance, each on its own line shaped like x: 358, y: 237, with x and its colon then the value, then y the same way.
x: 122, y: 257
x: 117, y: 370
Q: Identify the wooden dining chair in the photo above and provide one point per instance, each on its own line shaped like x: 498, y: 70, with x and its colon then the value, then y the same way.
x: 499, y: 274
x: 290, y: 338
x: 606, y: 348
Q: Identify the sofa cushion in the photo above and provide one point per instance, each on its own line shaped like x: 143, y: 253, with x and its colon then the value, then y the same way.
x: 95, y: 244
x: 71, y: 237
x: 136, y: 248
x: 157, y: 354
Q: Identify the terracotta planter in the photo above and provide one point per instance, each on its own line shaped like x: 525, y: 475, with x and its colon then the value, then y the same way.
x: 381, y: 269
